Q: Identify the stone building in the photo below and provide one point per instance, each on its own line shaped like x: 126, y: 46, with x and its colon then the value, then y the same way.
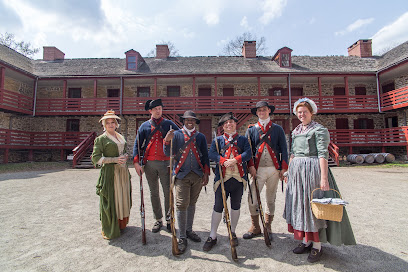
x: 49, y: 106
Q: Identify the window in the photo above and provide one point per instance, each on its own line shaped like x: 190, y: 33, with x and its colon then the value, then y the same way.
x: 391, y: 122
x: 143, y: 91
x: 113, y: 93
x: 339, y: 91
x: 388, y: 87
x: 131, y: 62
x: 173, y: 91
x: 342, y: 123
x: 360, y: 91
x: 285, y: 60
x: 74, y: 93
x: 363, y: 123
x: 72, y: 125
x: 297, y: 91
x: 204, y: 91
x: 278, y: 91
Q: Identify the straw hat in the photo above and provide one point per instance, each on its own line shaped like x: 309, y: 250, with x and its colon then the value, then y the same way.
x: 109, y: 114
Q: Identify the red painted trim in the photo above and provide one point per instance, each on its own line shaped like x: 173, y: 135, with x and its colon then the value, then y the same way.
x: 393, y: 67
x: 346, y: 85
x: 194, y: 87
x: 95, y: 88
x: 6, y: 155
x: 64, y: 89
x: 2, y: 77
x: 319, y: 83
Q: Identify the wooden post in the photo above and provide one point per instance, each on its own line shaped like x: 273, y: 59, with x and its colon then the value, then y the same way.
x: 62, y: 155
x: 350, y: 149
x: 30, y: 155
x: 95, y: 88
x: 64, y: 89
x: 2, y: 77
x: 259, y: 87
x: 6, y: 155
x: 347, y: 93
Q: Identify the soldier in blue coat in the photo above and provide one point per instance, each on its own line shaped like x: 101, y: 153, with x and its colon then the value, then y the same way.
x: 191, y: 171
x: 233, y: 157
x: 148, y: 152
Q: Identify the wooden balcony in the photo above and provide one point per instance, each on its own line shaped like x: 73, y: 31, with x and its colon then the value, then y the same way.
x: 201, y: 104
x: 17, y: 139
x: 397, y: 136
x: 16, y: 102
x: 395, y: 99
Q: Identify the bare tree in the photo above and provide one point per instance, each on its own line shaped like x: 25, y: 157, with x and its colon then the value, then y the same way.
x: 234, y: 46
x: 172, y: 48
x: 22, y: 47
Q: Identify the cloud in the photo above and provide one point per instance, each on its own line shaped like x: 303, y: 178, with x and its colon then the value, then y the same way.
x: 354, y: 26
x: 391, y: 35
x: 271, y: 9
x: 211, y: 18
x: 244, y: 23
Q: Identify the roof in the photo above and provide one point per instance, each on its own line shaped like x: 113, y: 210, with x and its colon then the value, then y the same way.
x: 203, y: 65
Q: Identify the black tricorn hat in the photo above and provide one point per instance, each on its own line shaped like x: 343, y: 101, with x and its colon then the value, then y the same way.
x: 261, y: 104
x: 226, y: 117
x: 150, y: 104
x: 189, y: 114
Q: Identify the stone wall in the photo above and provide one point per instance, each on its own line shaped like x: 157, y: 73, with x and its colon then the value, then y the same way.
x: 401, y: 81
x: 19, y: 87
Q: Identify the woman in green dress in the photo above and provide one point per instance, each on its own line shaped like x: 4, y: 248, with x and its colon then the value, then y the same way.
x: 308, y: 170
x: 114, y: 187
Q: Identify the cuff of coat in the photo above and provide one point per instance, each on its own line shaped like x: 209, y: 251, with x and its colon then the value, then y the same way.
x: 239, y: 159
x: 251, y: 163
x: 207, y: 170
x: 284, y: 165
x: 222, y: 160
x: 166, y: 142
x: 136, y: 159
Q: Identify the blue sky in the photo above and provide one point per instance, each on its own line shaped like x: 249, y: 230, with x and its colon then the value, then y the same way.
x: 108, y: 28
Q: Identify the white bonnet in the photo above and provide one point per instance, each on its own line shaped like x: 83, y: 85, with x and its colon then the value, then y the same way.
x: 309, y: 101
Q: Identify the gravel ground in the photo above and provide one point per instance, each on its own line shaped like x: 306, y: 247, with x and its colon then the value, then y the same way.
x: 50, y: 222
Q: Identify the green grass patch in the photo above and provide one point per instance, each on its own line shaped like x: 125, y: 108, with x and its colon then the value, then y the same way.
x: 33, y: 166
x: 378, y: 165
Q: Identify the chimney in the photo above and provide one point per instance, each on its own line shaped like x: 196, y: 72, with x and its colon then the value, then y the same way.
x: 162, y: 51
x: 51, y: 53
x: 249, y: 49
x: 361, y: 48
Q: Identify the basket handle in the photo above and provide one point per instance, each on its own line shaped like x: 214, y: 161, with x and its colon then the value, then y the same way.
x: 311, y: 194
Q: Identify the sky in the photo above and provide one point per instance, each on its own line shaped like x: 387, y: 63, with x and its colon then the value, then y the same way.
x: 109, y: 28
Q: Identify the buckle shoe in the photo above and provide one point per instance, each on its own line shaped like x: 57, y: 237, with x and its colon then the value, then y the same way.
x: 302, y: 248
x: 157, y: 226
x: 208, y: 245
x: 193, y: 236
x: 314, y: 255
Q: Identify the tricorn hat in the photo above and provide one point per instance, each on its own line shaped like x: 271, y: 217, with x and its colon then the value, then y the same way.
x: 189, y: 114
x: 150, y: 104
x: 261, y: 104
x: 226, y: 117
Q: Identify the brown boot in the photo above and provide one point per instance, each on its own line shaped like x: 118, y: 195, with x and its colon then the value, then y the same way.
x: 255, y: 229
x: 268, y: 223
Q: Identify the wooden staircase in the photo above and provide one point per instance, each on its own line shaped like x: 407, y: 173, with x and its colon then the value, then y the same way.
x: 85, y: 162
x: 82, y: 153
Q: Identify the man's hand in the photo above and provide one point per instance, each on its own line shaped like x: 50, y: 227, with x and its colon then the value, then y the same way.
x: 139, y: 169
x: 252, y: 171
x: 169, y: 135
x: 230, y: 162
x: 205, y: 179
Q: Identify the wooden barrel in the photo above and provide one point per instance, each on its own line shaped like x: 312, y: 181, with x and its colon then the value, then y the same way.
x: 368, y: 158
x: 388, y: 157
x: 378, y: 157
x: 355, y: 158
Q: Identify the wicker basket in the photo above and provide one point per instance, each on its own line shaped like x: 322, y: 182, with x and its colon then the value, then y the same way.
x: 327, y: 211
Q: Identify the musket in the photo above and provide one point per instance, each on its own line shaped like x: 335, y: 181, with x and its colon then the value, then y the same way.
x: 261, y: 214
x: 174, y: 245
x: 142, y: 208
x: 224, y: 201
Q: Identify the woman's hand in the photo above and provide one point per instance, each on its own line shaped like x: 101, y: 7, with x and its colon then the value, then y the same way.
x: 324, y: 184
x: 122, y: 159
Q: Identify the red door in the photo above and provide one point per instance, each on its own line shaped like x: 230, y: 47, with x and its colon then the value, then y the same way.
x: 206, y: 129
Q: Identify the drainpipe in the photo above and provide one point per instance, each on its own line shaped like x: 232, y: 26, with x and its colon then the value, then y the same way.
x: 121, y: 95
x: 378, y: 92
x: 35, y: 95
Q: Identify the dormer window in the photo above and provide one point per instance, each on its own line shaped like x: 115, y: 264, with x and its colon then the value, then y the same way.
x: 283, y: 57
x: 133, y: 60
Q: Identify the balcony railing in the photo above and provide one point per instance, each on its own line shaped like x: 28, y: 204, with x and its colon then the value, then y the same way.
x: 13, y: 101
x: 75, y: 106
x: 397, y: 136
x: 394, y: 99
x: 17, y: 139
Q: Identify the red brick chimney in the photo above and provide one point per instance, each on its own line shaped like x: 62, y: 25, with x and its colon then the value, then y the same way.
x: 249, y: 49
x: 361, y: 48
x: 52, y: 53
x: 162, y: 51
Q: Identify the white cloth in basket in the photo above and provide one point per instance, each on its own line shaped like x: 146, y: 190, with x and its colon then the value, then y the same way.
x: 333, y: 201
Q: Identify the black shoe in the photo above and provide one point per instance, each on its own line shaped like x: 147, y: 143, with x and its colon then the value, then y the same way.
x: 302, y: 248
x: 182, y: 245
x: 314, y: 255
x: 250, y: 235
x: 193, y: 236
x: 157, y: 226
x: 168, y: 227
x: 234, y: 239
x: 208, y: 245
